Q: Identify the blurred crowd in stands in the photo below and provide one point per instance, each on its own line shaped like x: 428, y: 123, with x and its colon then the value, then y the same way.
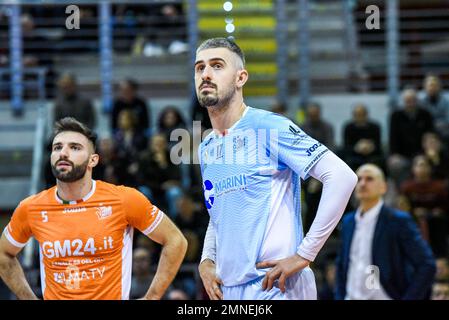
x: 415, y: 158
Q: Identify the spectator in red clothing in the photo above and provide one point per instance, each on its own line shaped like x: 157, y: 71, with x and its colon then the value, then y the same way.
x: 429, y: 201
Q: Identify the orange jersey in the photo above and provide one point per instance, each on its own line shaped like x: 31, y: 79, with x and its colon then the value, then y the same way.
x: 85, y: 246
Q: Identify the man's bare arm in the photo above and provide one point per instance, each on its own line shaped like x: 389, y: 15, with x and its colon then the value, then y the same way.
x: 11, y: 271
x: 174, y: 247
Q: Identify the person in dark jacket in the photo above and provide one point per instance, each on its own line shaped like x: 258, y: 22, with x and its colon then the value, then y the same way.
x: 408, y: 125
x: 382, y: 254
x: 362, y: 141
x: 129, y: 100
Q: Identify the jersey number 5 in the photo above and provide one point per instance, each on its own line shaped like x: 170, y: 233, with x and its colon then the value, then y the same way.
x: 44, y: 216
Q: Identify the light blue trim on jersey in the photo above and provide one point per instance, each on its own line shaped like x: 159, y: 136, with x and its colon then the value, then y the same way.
x: 297, y: 204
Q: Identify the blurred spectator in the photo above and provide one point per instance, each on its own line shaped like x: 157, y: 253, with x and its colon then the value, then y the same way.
x: 129, y: 100
x: 160, y: 175
x: 327, y: 289
x: 437, y: 156
x: 402, y: 203
x: 428, y: 198
x: 440, y: 290
x: 200, y: 113
x: 69, y: 102
x: 382, y: 254
x: 280, y: 108
x: 324, y: 133
x: 442, y: 269
x: 408, y: 125
x: 142, y: 274
x: 434, y: 102
x: 106, y: 166
x: 128, y: 143
x: 316, y: 127
x: 194, y: 248
x: 38, y: 51
x: 172, y: 29
x: 362, y: 142
x: 142, y: 241
x: 190, y: 216
x: 127, y: 135
x: 126, y: 19
x: 169, y: 120
x: 167, y: 30
x: 177, y: 294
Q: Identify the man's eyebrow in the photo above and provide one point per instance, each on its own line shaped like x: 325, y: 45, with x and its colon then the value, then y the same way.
x: 213, y: 59
x: 70, y: 143
x: 199, y: 61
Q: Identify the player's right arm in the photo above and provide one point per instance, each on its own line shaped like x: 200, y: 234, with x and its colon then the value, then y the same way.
x: 11, y: 272
x: 207, y: 267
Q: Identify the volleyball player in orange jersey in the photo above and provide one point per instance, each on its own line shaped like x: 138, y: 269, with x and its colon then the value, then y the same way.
x: 85, y: 229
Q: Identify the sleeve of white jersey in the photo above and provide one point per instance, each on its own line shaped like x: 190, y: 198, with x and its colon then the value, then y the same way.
x: 209, y: 250
x: 338, y: 183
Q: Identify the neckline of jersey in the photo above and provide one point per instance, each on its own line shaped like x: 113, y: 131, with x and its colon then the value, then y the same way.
x: 72, y: 202
x: 228, y: 131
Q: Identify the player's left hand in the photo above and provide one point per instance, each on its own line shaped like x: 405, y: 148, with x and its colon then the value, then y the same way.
x: 281, y: 269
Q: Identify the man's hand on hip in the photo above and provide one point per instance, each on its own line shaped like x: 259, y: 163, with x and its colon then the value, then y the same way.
x: 281, y: 269
x: 210, y: 280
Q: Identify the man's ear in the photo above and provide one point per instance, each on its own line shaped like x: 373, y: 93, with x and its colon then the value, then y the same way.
x: 242, y: 77
x: 384, y: 187
x: 94, y: 159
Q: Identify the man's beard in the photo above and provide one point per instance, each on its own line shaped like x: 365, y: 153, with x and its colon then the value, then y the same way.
x: 212, y: 100
x: 77, y: 172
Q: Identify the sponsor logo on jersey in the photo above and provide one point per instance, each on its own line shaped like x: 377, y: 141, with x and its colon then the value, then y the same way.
x: 232, y: 183
x: 74, y: 210
x: 209, y: 194
x: 225, y: 185
x: 299, y: 135
x: 312, y: 149
x: 104, y: 212
x: 239, y: 142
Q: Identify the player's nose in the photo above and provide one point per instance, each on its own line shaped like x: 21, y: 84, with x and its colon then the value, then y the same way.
x: 64, y: 153
x: 207, y: 73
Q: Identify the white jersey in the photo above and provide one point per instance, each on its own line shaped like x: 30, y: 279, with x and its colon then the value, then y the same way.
x: 251, y: 180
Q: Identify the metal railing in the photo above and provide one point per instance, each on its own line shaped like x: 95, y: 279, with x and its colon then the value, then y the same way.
x: 108, y: 29
x: 418, y: 47
x: 34, y: 81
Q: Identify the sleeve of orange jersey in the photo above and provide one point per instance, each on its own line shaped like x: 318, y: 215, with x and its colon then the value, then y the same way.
x: 18, y: 230
x: 140, y: 212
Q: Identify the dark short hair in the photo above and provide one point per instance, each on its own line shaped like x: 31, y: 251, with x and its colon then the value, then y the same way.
x: 222, y: 43
x: 71, y: 124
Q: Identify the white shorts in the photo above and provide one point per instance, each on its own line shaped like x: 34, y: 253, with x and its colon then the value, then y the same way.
x: 300, y: 286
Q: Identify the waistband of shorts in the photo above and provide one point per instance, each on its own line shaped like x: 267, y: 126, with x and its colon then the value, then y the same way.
x: 260, y: 278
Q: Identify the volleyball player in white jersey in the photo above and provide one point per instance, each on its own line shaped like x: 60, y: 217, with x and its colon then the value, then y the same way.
x: 251, y: 166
